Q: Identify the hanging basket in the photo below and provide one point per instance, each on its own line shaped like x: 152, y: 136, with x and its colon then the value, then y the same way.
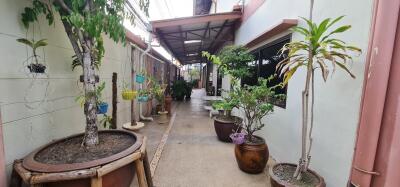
x: 36, y: 68
x: 129, y: 95
x: 143, y: 98
x: 102, y: 108
x: 140, y: 78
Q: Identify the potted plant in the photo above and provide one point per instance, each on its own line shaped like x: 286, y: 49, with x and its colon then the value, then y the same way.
x: 318, y: 48
x: 140, y: 77
x: 251, y: 151
x: 179, y: 90
x: 188, y: 90
x: 143, y: 95
x: 83, y: 22
x: 159, y: 93
x: 128, y: 94
x: 225, y: 124
x: 35, y: 66
x: 231, y: 60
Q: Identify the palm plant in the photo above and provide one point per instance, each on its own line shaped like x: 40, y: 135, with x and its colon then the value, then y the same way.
x: 319, y: 50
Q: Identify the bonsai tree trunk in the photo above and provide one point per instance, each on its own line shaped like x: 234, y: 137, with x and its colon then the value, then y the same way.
x: 91, y: 137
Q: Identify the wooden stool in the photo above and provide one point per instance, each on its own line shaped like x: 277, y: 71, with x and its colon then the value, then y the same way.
x: 37, y: 179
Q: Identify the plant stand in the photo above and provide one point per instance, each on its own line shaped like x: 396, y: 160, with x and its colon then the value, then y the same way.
x: 94, y: 174
x: 130, y: 127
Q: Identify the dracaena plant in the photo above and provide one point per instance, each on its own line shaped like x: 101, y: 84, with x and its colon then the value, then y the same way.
x: 320, y: 50
x: 85, y: 22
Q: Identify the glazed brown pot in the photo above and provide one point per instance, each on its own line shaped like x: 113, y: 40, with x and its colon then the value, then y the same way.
x: 225, y: 127
x: 168, y: 102
x: 121, y: 177
x: 276, y: 182
x: 252, y: 158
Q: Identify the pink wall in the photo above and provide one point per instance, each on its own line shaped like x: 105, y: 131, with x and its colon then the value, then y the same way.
x: 378, y: 147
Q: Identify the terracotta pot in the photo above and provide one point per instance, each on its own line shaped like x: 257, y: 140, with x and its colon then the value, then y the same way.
x: 158, y: 108
x: 276, y: 182
x: 168, y: 102
x: 225, y: 127
x: 121, y: 177
x: 163, y: 118
x: 252, y: 158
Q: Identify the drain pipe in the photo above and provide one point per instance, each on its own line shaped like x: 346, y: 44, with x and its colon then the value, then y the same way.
x: 141, y: 66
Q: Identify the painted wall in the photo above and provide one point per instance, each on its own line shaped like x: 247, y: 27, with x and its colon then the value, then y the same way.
x: 337, y: 101
x: 26, y: 126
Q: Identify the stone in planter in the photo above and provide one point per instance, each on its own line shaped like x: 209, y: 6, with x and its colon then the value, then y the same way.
x: 68, y: 157
x: 252, y: 157
x: 225, y: 126
x: 281, y: 175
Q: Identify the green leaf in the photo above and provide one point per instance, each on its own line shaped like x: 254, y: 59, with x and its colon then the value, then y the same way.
x: 40, y: 43
x: 25, y: 41
x: 346, y: 69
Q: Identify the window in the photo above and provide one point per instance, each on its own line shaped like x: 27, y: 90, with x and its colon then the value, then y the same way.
x: 264, y: 65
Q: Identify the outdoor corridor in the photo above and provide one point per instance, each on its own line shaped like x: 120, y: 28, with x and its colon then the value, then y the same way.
x: 193, y: 156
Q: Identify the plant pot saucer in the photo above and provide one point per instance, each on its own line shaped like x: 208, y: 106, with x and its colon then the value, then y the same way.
x: 128, y: 126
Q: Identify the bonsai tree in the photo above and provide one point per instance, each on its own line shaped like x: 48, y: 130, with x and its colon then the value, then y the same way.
x: 85, y: 22
x: 256, y: 103
x: 34, y: 45
x: 318, y: 49
x: 231, y: 60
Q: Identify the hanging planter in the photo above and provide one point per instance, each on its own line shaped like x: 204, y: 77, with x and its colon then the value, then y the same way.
x: 34, y: 65
x: 143, y: 98
x: 36, y: 68
x: 140, y: 78
x: 102, y: 108
x: 129, y: 95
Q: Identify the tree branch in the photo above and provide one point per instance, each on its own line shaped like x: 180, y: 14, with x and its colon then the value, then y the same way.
x: 63, y: 6
x: 72, y: 39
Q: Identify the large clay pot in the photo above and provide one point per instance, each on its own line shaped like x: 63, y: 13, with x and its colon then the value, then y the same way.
x: 277, y: 182
x: 252, y: 158
x: 224, y: 127
x: 168, y: 102
x: 121, y: 177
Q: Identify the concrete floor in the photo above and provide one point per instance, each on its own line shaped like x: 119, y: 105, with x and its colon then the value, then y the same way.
x: 193, y: 156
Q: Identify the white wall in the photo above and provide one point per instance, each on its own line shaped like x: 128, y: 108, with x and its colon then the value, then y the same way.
x: 26, y: 129
x: 337, y: 101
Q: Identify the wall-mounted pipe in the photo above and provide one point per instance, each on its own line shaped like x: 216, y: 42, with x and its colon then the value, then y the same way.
x: 141, y: 66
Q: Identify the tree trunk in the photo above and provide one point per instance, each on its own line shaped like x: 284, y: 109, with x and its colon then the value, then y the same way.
x: 91, y: 137
x: 114, y: 101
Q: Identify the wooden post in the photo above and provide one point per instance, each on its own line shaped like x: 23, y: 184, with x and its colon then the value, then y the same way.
x: 133, y: 120
x: 96, y: 182
x: 146, y: 165
x: 140, y: 173
x: 114, y: 101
